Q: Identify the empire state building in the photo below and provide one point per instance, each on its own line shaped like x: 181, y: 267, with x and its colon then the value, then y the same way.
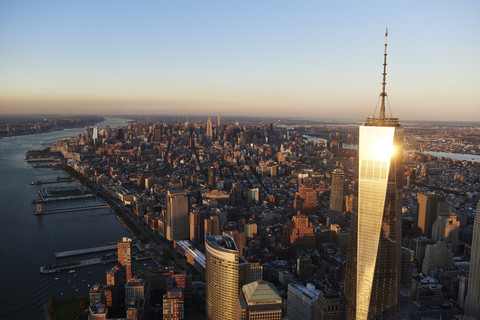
x: 373, y: 257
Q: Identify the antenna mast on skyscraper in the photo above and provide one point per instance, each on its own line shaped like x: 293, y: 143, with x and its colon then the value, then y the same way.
x: 384, y: 94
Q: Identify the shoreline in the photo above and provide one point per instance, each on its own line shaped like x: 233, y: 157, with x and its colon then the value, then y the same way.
x: 53, y: 130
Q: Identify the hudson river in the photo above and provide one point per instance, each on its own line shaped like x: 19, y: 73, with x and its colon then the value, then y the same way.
x: 28, y: 241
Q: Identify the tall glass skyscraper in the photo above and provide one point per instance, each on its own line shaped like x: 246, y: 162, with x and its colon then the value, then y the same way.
x: 472, y: 303
x: 225, y: 273
x: 373, y: 258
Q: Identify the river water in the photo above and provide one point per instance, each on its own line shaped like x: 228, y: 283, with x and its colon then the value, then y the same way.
x: 28, y: 241
x: 457, y: 156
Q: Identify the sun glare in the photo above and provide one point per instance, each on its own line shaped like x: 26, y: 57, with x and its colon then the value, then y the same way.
x: 383, y: 151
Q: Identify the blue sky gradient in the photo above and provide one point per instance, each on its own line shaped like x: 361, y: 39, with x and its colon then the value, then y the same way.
x: 302, y: 59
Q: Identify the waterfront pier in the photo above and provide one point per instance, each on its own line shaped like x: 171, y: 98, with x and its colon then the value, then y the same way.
x: 76, y: 264
x: 83, y: 196
x: 84, y: 208
x: 57, y: 180
x: 85, y: 251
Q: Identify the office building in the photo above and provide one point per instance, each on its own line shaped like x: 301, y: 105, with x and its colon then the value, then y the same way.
x: 157, y: 134
x: 447, y: 228
x: 97, y: 311
x: 301, y: 301
x: 373, y: 272
x: 256, y: 270
x: 309, y: 196
x: 419, y: 246
x: 250, y: 229
x: 212, y: 226
x: 437, y: 255
x: 176, y: 221
x: 428, y: 205
x: 124, y: 252
x: 462, y: 290
x: 330, y: 305
x: 336, y: 197
x: 305, y: 199
x: 209, y: 129
x: 173, y: 305
x: 299, y: 233
x: 472, y: 302
x: 196, y: 226
x: 406, y: 268
x: 115, y: 288
x: 239, y: 238
x: 224, y: 274
x: 304, y: 266
x: 137, y: 298
x: 259, y: 300
x: 253, y: 195
x: 211, y: 178
x: 96, y: 294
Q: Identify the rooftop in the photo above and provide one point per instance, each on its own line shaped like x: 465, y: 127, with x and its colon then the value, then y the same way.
x: 308, y: 291
x: 261, y: 291
x: 223, y: 242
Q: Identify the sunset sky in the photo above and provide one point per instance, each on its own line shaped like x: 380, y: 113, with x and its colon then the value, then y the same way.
x: 299, y: 59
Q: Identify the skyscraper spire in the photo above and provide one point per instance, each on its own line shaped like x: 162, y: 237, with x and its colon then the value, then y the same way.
x: 384, y: 94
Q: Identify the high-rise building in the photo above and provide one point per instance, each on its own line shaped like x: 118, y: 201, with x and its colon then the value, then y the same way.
x: 176, y: 222
x: 157, y: 134
x: 115, y: 289
x: 330, y: 305
x: 95, y: 134
x: 472, y: 302
x: 304, y: 266
x: 250, y: 229
x: 428, y: 205
x: 239, y: 238
x: 256, y: 270
x: 253, y: 195
x: 336, y: 197
x: 406, y: 268
x: 299, y: 233
x: 124, y: 252
x: 301, y: 301
x: 173, y: 308
x: 305, y: 199
x: 225, y: 271
x: 209, y: 129
x: 196, y: 226
x: 437, y: 255
x: 420, y: 246
x: 212, y: 226
x: 447, y: 228
x: 211, y: 178
x: 373, y: 272
x: 259, y: 300
x: 137, y: 298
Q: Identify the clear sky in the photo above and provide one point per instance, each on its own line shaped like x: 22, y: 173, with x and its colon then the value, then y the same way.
x: 302, y: 59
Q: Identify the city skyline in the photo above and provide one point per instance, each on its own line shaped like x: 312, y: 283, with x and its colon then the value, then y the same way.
x: 300, y: 61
